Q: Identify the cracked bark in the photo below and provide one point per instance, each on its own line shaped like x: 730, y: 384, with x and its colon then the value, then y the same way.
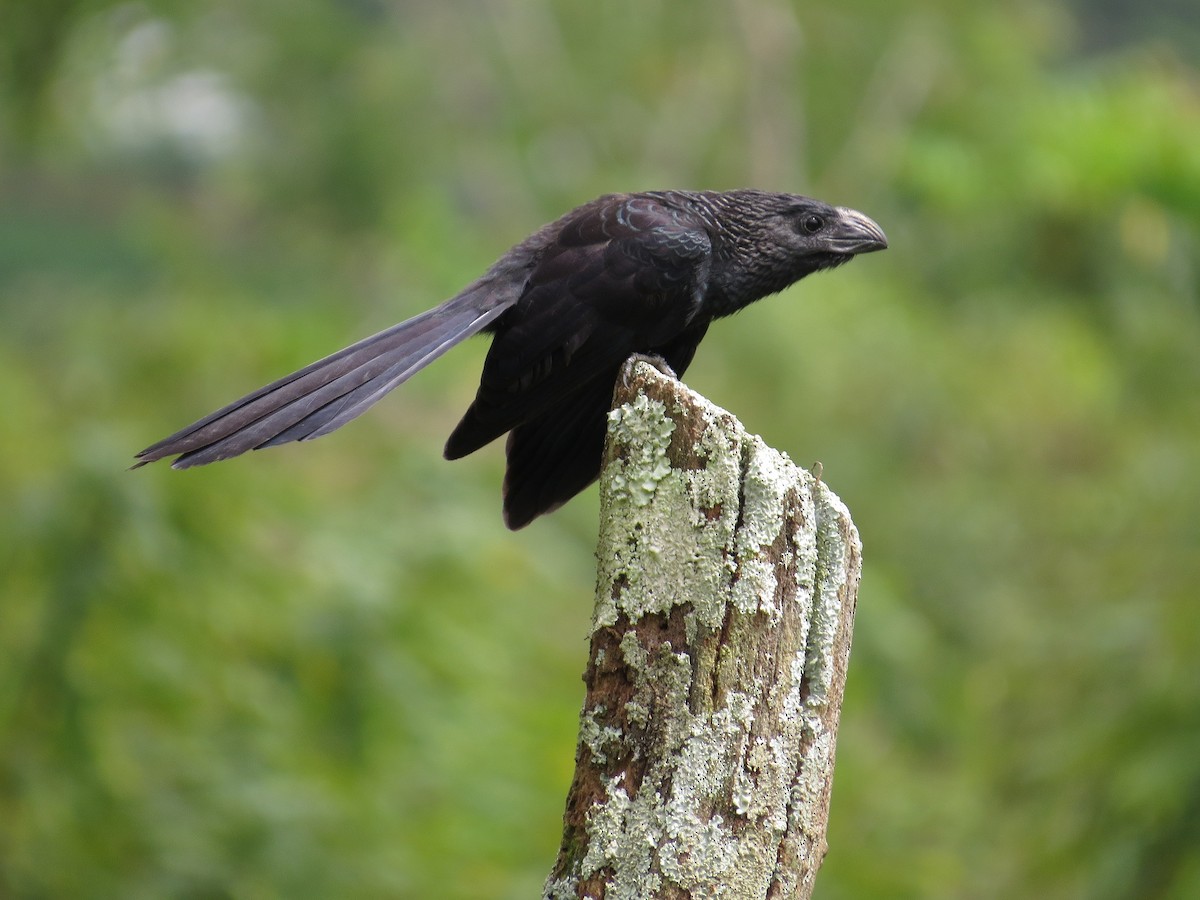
x: 724, y: 605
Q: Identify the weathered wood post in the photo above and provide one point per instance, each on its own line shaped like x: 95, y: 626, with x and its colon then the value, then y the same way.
x: 721, y: 634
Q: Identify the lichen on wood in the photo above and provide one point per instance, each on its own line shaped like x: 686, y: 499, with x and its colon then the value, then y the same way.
x: 726, y: 586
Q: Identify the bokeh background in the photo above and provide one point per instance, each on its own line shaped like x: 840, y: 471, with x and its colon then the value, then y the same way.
x: 328, y: 671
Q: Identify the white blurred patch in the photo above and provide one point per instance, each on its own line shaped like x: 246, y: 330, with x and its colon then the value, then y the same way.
x: 143, y: 102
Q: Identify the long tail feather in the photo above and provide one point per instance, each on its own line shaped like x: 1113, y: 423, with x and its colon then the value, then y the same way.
x: 329, y: 393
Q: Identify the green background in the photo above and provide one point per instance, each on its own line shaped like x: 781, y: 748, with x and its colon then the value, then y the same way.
x: 327, y: 670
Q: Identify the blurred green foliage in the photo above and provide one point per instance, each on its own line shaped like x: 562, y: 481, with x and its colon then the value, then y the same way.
x: 328, y: 671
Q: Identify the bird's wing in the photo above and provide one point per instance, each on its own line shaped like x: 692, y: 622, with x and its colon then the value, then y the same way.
x: 555, y: 455
x: 622, y: 276
x: 325, y: 395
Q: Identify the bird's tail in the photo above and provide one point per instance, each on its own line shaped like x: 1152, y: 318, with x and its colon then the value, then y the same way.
x: 329, y: 393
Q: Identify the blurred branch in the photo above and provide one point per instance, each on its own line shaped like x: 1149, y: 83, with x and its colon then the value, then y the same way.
x: 30, y: 54
x: 725, y: 601
x: 900, y: 85
x: 774, y: 117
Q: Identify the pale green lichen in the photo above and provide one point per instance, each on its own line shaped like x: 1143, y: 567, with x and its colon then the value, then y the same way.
x: 837, y: 540
x: 634, y: 653
x: 804, y: 537
x: 644, y: 429
x: 595, y: 736
x: 637, y: 713
x: 620, y: 842
x: 654, y: 561
x: 741, y: 707
x: 565, y: 888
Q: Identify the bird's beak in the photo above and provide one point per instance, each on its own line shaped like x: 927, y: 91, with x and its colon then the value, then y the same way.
x: 856, y: 233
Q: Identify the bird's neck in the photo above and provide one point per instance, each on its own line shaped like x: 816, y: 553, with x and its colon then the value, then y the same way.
x: 743, y: 268
x: 744, y: 271
x: 734, y: 287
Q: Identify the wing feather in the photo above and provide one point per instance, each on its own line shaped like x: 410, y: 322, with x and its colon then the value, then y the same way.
x: 622, y: 277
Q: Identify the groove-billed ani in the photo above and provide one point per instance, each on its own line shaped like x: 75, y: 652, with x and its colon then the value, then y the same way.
x: 625, y: 273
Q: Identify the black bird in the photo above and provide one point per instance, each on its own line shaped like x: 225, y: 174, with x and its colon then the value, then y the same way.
x: 626, y: 273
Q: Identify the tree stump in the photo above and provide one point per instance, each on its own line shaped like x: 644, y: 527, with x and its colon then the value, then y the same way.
x: 724, y: 605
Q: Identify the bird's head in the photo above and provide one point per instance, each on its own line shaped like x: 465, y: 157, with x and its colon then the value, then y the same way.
x: 806, y: 235
x: 773, y: 240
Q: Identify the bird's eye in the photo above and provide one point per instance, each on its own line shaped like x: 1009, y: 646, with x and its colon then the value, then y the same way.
x: 812, y: 224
